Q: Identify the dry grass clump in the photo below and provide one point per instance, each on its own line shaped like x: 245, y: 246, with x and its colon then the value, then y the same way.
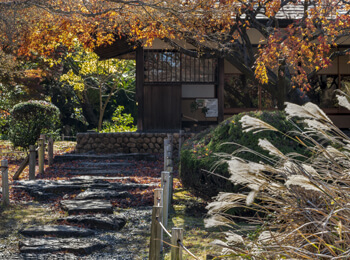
x: 302, y: 204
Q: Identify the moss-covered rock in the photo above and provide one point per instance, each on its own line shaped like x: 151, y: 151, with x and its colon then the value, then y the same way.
x: 198, y: 153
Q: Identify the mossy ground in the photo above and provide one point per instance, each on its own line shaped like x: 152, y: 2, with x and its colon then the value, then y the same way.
x: 188, y: 212
x: 18, y: 216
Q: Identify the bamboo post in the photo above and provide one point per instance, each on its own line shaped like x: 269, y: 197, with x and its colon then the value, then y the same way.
x: 155, y: 243
x: 32, y: 162
x: 165, y: 182
x: 5, y: 183
x: 176, y: 250
x: 166, y: 144
x: 41, y: 155
x: 50, y: 151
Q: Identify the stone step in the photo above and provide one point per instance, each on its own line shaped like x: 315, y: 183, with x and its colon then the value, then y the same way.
x: 87, y: 206
x: 106, y: 172
x: 129, y: 186
x: 56, y: 231
x: 95, y: 177
x: 102, y: 194
x: 47, y: 256
x: 119, y: 156
x: 98, y: 221
x: 45, y: 189
x: 106, y: 164
x: 82, y: 246
x: 85, y: 166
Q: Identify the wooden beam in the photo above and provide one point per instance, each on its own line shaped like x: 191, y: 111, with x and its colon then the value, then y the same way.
x: 220, y: 89
x: 139, y: 87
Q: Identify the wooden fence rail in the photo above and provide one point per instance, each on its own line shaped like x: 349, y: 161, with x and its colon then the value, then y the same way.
x: 158, y: 228
x: 160, y: 211
x: 39, y: 153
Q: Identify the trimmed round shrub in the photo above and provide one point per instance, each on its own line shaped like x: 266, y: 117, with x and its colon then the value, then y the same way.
x: 30, y: 119
x: 198, y: 153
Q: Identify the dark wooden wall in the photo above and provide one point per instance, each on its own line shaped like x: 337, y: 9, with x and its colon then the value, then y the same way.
x: 162, y: 107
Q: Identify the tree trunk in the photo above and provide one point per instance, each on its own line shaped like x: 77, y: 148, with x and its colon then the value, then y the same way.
x: 88, y: 112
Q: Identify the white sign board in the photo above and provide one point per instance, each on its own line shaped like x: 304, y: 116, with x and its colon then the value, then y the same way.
x: 211, y: 105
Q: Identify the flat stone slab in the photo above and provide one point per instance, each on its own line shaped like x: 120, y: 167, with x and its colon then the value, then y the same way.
x: 105, y: 164
x: 129, y: 186
x: 57, y: 231
x: 120, y: 156
x: 44, y: 189
x: 69, y: 245
x: 106, y: 172
x: 87, y: 206
x: 95, y: 177
x: 102, y: 194
x: 98, y: 221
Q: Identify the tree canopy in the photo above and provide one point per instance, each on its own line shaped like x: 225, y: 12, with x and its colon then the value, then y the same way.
x: 296, y: 35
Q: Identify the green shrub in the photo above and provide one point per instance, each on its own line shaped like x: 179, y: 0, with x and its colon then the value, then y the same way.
x: 198, y: 153
x: 4, y: 125
x: 121, y: 122
x: 30, y: 119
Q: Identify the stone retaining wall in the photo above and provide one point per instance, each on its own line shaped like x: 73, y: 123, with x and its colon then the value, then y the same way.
x: 124, y: 142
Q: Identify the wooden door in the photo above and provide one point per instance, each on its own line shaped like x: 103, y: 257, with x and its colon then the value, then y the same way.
x: 162, y: 107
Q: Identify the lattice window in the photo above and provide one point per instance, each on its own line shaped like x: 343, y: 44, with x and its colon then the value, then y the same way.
x: 169, y: 66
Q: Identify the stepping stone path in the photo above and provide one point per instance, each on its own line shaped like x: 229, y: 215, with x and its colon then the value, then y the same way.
x: 99, y: 221
x: 57, y: 231
x: 87, y: 206
x: 101, y: 194
x: 91, y: 207
x: 52, y: 245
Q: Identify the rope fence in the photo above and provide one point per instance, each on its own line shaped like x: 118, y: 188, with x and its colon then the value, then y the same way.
x: 162, y: 199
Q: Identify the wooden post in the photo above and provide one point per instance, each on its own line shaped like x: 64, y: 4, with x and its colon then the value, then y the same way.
x: 155, y: 243
x: 170, y: 167
x: 165, y: 182
x: 158, y: 197
x: 41, y: 155
x: 50, y: 151
x: 158, y: 201
x: 140, y: 92
x: 180, y: 141
x: 166, y: 144
x: 170, y: 154
x: 21, y: 168
x: 177, y: 235
x: 32, y: 162
x: 62, y: 137
x: 42, y: 136
x: 5, y: 183
x: 220, y: 89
